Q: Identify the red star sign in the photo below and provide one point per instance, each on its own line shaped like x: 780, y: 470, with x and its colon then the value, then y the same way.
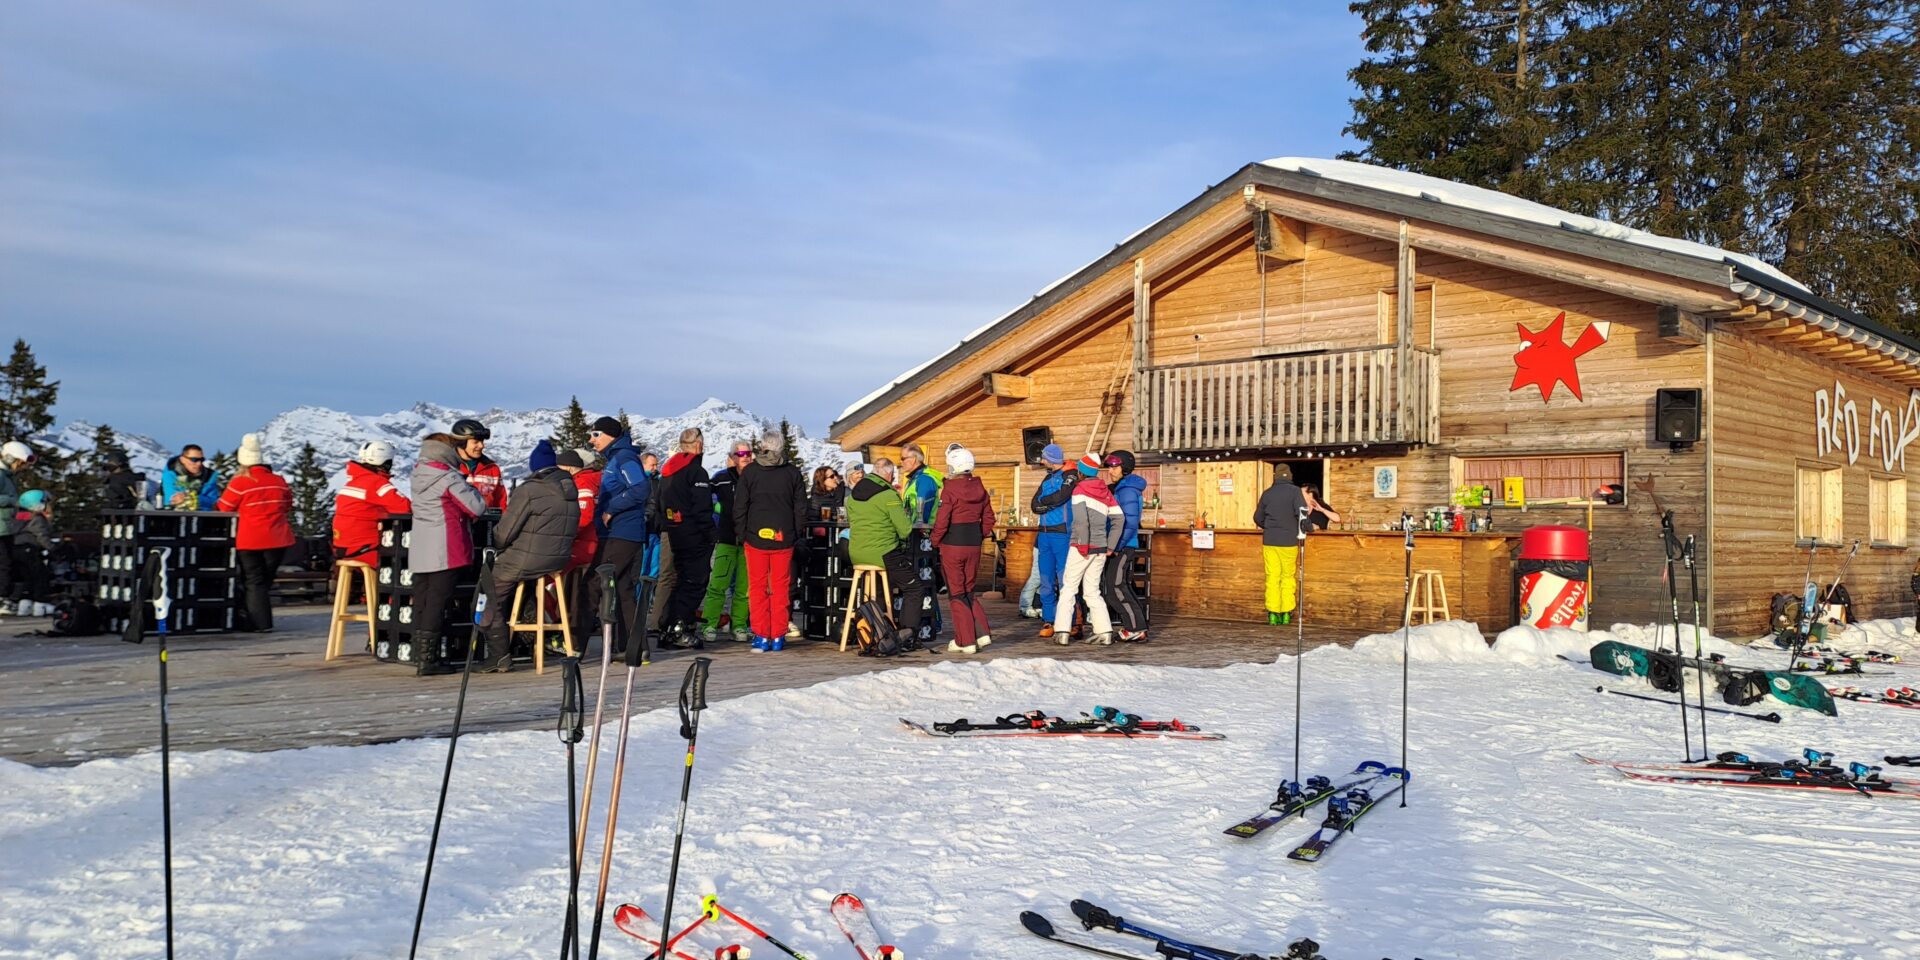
x: 1544, y: 359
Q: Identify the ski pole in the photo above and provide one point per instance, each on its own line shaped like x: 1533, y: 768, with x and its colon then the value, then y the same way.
x: 636, y: 652
x: 693, y: 699
x: 1699, y: 676
x: 1406, y: 649
x: 710, y: 905
x: 453, y: 740
x: 1768, y: 717
x: 1299, y: 638
x: 609, y: 615
x: 572, y: 696
x: 153, y: 577
x: 1671, y: 544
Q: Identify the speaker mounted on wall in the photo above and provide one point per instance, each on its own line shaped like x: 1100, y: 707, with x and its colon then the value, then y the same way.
x: 1033, y: 440
x: 1676, y: 416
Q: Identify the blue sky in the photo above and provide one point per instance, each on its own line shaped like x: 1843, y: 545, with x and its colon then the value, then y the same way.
x: 214, y: 211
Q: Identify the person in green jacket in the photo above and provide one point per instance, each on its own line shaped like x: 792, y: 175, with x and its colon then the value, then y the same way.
x: 877, y: 520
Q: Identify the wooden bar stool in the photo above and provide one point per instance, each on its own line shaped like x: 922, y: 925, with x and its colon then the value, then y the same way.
x: 539, y: 627
x: 1420, y: 599
x: 861, y: 589
x: 343, y: 571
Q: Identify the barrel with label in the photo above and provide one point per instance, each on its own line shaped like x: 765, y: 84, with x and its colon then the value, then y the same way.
x: 1553, y: 571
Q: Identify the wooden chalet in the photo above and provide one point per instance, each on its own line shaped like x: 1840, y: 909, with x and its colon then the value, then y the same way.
x: 1398, y: 339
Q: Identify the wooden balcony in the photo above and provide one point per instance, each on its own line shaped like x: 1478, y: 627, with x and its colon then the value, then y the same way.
x: 1337, y: 398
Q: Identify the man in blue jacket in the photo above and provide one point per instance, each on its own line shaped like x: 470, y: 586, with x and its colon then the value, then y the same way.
x: 624, y: 490
x: 1050, y: 504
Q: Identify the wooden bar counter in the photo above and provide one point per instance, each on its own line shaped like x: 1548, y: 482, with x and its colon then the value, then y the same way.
x: 1355, y: 578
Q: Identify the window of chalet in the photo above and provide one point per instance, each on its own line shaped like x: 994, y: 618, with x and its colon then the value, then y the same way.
x: 1887, y: 510
x: 1817, y: 503
x: 1389, y: 315
x: 1556, y: 477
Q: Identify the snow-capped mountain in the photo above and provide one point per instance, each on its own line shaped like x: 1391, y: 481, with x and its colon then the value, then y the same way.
x: 337, y: 436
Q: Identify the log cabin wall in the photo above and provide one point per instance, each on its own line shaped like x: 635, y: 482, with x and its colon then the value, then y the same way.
x: 1475, y: 310
x: 1763, y: 413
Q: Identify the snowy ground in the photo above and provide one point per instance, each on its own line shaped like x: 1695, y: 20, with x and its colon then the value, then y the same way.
x: 1510, y: 847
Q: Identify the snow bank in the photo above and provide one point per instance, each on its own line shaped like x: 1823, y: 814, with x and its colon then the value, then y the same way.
x: 1509, y: 847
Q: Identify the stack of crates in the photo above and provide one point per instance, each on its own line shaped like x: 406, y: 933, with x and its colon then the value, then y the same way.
x: 394, y: 639
x: 820, y: 602
x: 918, y: 610
x: 1142, y: 573
x: 203, y: 571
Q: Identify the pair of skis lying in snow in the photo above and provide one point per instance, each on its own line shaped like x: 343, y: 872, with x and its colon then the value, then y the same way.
x: 848, y: 911
x: 1348, y: 799
x: 1894, y: 697
x: 1102, y: 722
x: 1814, y: 773
x: 1165, y: 945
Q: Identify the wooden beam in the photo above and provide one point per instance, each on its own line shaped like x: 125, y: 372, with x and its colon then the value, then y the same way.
x: 1012, y: 386
x: 1286, y: 239
x: 1679, y: 326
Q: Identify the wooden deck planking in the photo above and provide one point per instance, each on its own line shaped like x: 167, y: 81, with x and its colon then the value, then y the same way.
x: 65, y: 700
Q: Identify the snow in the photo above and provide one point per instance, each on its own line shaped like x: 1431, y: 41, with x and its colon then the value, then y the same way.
x: 1510, y: 847
x: 1503, y: 205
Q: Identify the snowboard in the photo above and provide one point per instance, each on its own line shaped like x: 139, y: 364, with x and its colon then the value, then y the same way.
x: 1664, y: 670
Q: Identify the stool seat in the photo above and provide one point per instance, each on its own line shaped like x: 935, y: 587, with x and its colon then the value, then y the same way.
x: 862, y: 589
x: 1421, y: 598
x: 343, y: 573
x: 539, y: 626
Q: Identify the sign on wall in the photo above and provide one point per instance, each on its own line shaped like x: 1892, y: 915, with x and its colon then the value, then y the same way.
x: 1545, y: 360
x: 1386, y: 483
x: 1836, y: 427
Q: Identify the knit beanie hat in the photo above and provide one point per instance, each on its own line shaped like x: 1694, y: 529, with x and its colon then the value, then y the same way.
x: 959, y: 459
x: 542, y: 457
x: 590, y: 457
x: 1053, y: 454
x: 249, y: 452
x: 1089, y: 466
x: 569, y: 458
x: 608, y: 426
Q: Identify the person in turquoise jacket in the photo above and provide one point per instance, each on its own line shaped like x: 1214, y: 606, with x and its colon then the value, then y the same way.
x: 188, y: 483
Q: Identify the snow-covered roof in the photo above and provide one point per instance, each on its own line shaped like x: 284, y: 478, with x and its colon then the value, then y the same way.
x: 1482, y: 200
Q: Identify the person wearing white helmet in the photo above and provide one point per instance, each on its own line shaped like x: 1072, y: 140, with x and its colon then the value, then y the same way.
x: 13, y: 456
x: 367, y: 498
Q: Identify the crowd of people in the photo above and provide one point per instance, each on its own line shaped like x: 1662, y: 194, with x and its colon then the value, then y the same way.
x: 719, y: 547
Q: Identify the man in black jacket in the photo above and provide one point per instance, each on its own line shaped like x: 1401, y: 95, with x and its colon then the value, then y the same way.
x: 122, y: 489
x: 534, y: 538
x: 1281, y: 514
x: 686, y: 503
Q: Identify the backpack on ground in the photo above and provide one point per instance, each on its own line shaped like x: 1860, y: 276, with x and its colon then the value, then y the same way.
x: 76, y: 618
x: 874, y: 627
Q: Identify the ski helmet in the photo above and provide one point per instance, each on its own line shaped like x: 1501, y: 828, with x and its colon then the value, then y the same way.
x: 468, y: 428
x: 32, y: 499
x: 17, y: 452
x: 375, y: 453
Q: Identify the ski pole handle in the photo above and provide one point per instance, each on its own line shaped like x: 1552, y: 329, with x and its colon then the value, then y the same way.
x: 637, y: 643
x: 1667, y: 536
x: 573, y: 698
x: 693, y: 694
x: 609, y: 591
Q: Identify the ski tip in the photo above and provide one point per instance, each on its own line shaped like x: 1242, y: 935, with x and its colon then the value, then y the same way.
x: 629, y: 913
x: 848, y: 901
x: 1036, y: 923
x: 1370, y: 766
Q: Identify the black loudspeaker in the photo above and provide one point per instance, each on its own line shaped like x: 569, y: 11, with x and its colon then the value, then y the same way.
x: 1033, y: 440
x: 1676, y: 415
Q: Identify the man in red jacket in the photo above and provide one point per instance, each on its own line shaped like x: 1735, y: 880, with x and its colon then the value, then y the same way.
x: 470, y: 442
x: 263, y: 532
x: 368, y: 498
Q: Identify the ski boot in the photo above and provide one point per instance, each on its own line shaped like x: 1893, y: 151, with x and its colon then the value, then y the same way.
x: 759, y: 645
x: 1273, y: 619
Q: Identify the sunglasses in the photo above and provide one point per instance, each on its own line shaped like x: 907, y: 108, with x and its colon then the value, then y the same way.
x: 194, y: 459
x: 748, y: 454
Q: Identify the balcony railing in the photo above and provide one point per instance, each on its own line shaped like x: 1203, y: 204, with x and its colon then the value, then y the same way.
x: 1337, y: 398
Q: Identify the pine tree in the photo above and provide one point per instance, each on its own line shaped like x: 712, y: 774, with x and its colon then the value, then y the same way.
x: 26, y: 395
x: 574, y: 428
x: 790, y: 446
x: 78, y: 495
x: 312, y: 513
x: 224, y: 465
x: 626, y: 425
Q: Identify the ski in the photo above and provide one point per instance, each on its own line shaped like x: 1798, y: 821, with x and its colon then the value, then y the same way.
x: 1041, y: 927
x: 854, y: 921
x: 1865, y: 783
x: 1345, y: 810
x: 1156, y: 730
x: 1096, y: 917
x: 1892, y: 698
x: 1296, y: 798
x: 635, y: 922
x: 1814, y: 763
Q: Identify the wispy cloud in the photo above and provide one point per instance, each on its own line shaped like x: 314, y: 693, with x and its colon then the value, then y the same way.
x: 215, y: 211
